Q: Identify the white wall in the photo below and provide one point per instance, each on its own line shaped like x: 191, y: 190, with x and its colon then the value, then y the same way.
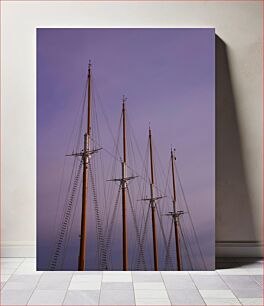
x: 239, y: 106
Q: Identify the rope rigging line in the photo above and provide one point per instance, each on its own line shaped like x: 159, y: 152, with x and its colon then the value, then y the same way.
x: 113, y: 169
x: 141, y: 249
x: 135, y: 172
x: 183, y: 221
x: 99, y: 217
x: 163, y: 235
x: 160, y: 175
x: 189, y: 242
x: 186, y: 249
x: 195, y: 234
x: 133, y: 137
x: 77, y: 146
x: 79, y: 131
x: 64, y: 209
x: 168, y: 250
x: 104, y: 190
x: 159, y: 167
x: 141, y: 193
x: 115, y: 241
x: 104, y: 113
x: 81, y: 106
x: 138, y: 214
x: 98, y: 143
x: 167, y: 185
x: 143, y: 237
x: 99, y: 229
x: 66, y: 217
x: 110, y: 229
x: 68, y: 237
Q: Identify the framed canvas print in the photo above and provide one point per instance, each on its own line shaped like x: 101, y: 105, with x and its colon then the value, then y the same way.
x: 125, y: 149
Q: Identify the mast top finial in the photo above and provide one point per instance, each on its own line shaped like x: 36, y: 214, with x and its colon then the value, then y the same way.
x: 149, y: 128
x: 124, y: 98
x: 174, y: 153
x: 89, y: 64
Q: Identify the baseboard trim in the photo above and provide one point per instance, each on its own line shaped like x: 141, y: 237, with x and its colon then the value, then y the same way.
x: 223, y: 249
x: 239, y: 249
x: 21, y: 249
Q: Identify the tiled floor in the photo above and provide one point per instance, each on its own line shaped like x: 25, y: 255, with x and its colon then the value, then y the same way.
x: 235, y: 282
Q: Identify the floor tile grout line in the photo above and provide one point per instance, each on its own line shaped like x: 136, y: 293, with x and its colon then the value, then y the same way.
x: 41, y: 275
x: 151, y: 289
x: 2, y: 291
x: 250, y: 299
x: 133, y: 286
x: 197, y: 287
x: 10, y: 263
x: 19, y: 264
x: 12, y: 272
x: 231, y: 288
x: 4, y: 286
x: 252, y: 276
x: 17, y: 268
x: 166, y: 288
x: 25, y: 259
x: 67, y: 289
x: 102, y: 275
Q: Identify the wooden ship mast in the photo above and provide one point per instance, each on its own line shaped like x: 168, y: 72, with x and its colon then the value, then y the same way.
x: 152, y: 202
x: 85, y: 157
x: 123, y: 184
x: 175, y: 214
x: 86, y: 154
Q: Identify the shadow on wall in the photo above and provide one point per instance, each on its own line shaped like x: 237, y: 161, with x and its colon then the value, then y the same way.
x: 234, y: 216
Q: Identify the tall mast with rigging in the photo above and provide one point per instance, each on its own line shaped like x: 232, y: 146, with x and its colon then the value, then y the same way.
x: 85, y: 156
x: 175, y: 214
x: 123, y: 184
x: 152, y: 203
x: 85, y: 168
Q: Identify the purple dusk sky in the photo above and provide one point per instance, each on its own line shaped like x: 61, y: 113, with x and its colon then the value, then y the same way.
x: 168, y: 76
